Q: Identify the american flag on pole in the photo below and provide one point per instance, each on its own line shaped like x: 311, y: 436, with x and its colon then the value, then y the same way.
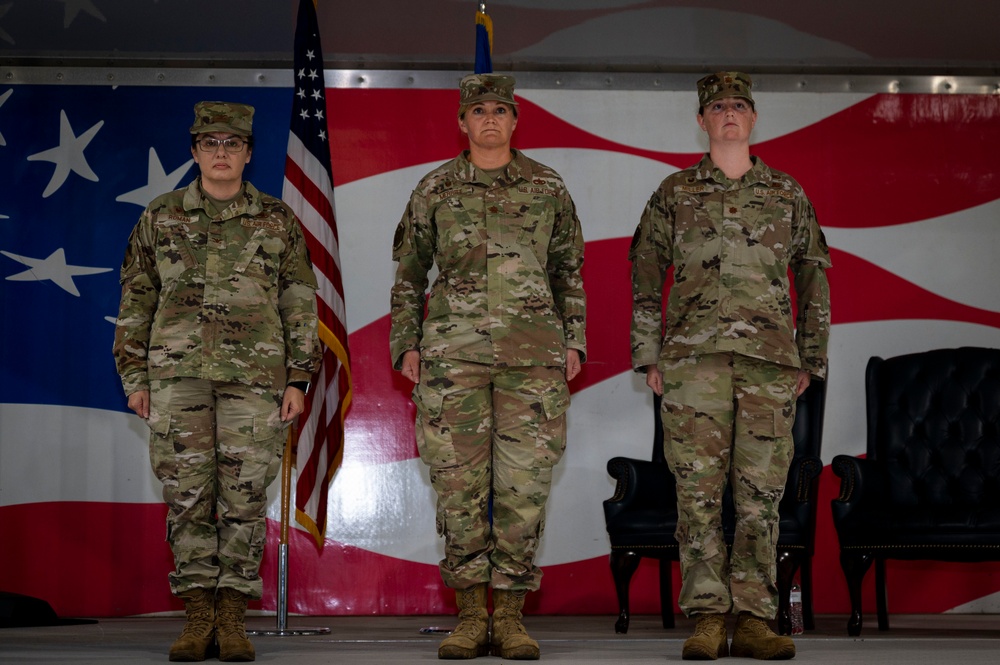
x: 308, y: 189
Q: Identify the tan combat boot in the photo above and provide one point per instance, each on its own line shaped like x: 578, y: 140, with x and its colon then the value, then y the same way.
x: 709, y: 639
x: 198, y: 635
x: 509, y: 639
x: 755, y: 639
x: 471, y: 636
x: 231, y: 629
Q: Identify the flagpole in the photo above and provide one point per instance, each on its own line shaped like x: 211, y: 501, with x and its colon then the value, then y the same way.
x: 286, y: 502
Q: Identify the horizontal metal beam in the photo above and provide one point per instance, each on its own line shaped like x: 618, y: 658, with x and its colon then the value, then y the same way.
x: 432, y: 78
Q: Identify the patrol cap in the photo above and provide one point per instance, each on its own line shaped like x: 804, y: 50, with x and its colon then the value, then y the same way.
x: 485, y: 87
x: 223, y: 117
x: 724, y: 84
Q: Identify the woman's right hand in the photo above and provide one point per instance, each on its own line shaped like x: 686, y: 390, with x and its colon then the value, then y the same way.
x: 654, y: 379
x: 411, y: 365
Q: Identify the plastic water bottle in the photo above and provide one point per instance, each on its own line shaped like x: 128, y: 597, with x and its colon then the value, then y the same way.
x: 795, y: 609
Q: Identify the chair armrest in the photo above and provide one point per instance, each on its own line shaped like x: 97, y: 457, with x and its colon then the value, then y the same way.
x: 801, y: 477
x: 639, y: 482
x: 861, y: 483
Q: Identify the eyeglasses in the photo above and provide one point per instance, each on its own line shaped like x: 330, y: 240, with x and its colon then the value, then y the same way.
x: 231, y: 144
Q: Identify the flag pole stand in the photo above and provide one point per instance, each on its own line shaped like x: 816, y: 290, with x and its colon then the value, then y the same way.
x: 286, y: 491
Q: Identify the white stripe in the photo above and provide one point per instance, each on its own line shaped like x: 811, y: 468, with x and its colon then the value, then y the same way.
x: 328, y: 294
x: 311, y: 218
x: 965, y: 241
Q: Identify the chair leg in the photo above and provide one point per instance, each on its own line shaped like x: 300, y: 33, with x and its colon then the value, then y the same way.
x: 623, y: 566
x: 806, y: 576
x: 788, y: 563
x: 881, y: 599
x: 666, y: 594
x: 855, y: 564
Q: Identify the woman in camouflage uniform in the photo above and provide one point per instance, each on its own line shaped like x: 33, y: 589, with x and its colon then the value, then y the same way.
x: 729, y: 365
x: 503, y: 334
x: 215, y: 344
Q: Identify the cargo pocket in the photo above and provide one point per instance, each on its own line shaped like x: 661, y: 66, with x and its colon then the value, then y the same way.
x: 262, y: 460
x: 550, y: 444
x: 161, y: 449
x: 433, y: 434
x: 682, y: 433
x: 771, y: 432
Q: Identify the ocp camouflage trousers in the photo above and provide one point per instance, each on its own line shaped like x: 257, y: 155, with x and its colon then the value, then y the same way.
x: 728, y: 419
x: 490, y: 432
x: 215, y: 447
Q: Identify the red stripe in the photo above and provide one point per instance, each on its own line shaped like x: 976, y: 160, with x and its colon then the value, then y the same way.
x: 311, y: 192
x: 335, y: 325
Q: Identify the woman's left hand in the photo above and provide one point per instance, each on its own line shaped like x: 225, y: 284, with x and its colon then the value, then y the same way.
x: 572, y: 364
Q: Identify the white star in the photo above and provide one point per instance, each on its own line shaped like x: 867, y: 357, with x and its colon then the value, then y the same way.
x: 3, y: 98
x: 316, y: 94
x: 68, y: 155
x: 319, y: 114
x: 304, y: 114
x: 322, y: 134
x: 53, y: 268
x: 157, y: 182
x: 313, y: 74
x: 74, y: 7
x: 310, y: 54
x: 302, y: 73
x: 3, y: 35
x: 300, y: 93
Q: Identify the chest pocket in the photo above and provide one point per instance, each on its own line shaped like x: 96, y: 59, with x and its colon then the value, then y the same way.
x: 174, y: 254
x: 456, y: 229
x: 772, y: 229
x: 537, y: 222
x: 259, y: 259
x: 696, y: 234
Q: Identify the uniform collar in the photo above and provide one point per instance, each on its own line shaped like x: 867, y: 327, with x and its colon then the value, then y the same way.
x: 248, y: 203
x: 758, y: 173
x: 519, y: 168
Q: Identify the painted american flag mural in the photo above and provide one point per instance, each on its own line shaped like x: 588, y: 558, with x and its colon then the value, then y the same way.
x: 904, y: 186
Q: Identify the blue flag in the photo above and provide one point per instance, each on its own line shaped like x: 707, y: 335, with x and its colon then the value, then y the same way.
x: 484, y: 41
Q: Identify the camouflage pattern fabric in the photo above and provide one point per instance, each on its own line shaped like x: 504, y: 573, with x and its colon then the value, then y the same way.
x: 509, y: 253
x: 216, y: 447
x: 476, y: 88
x: 724, y: 84
x: 728, y: 419
x: 480, y: 428
x: 223, y: 117
x: 227, y: 297
x: 731, y: 243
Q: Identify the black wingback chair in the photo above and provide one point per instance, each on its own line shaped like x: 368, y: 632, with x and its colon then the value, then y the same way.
x: 641, y: 517
x: 929, y: 484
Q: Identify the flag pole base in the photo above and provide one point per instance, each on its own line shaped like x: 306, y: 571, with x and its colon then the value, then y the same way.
x: 289, y: 632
